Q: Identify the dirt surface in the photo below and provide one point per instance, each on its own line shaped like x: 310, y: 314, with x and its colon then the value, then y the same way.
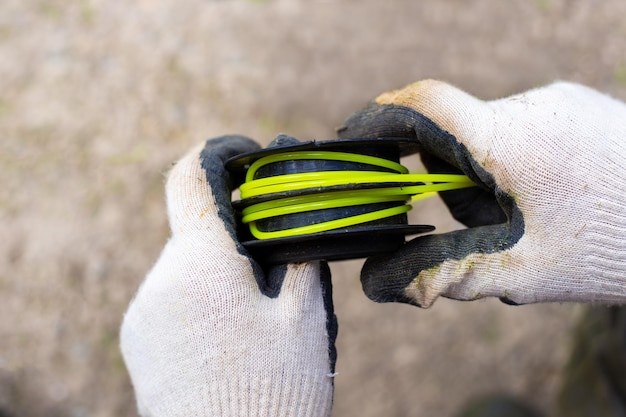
x: 98, y: 98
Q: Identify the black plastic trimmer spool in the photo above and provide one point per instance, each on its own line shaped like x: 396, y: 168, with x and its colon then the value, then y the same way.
x: 359, y: 241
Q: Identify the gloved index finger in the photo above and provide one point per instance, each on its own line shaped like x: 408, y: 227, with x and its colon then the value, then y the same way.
x: 376, y: 121
x: 391, y: 120
x: 442, y: 120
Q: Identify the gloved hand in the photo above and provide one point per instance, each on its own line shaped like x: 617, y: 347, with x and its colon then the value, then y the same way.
x: 209, y: 333
x: 548, y: 221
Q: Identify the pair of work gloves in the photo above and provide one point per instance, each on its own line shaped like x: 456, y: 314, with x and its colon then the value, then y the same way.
x: 210, y: 333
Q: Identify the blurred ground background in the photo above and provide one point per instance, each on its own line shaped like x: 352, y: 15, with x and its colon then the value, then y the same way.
x: 98, y: 98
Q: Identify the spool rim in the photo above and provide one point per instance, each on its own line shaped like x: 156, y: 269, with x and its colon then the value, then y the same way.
x: 314, y: 246
x: 239, y: 163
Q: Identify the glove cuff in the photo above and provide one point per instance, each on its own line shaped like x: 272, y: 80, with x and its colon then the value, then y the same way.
x: 300, y: 395
x: 606, y: 237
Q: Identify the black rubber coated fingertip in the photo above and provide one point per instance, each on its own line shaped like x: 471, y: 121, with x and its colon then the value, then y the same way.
x: 283, y: 140
x: 385, y: 283
x: 379, y: 121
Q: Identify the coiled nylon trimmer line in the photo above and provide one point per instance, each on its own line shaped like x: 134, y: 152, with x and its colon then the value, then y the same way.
x: 315, y: 198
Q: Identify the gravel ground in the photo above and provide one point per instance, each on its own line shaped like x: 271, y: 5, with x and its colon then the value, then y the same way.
x: 98, y: 98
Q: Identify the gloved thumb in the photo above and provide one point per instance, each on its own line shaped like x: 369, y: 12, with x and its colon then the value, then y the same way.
x: 199, y: 189
x: 448, y: 264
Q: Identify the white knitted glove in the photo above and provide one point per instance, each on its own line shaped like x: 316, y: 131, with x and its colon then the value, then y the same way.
x: 209, y: 333
x: 548, y: 222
